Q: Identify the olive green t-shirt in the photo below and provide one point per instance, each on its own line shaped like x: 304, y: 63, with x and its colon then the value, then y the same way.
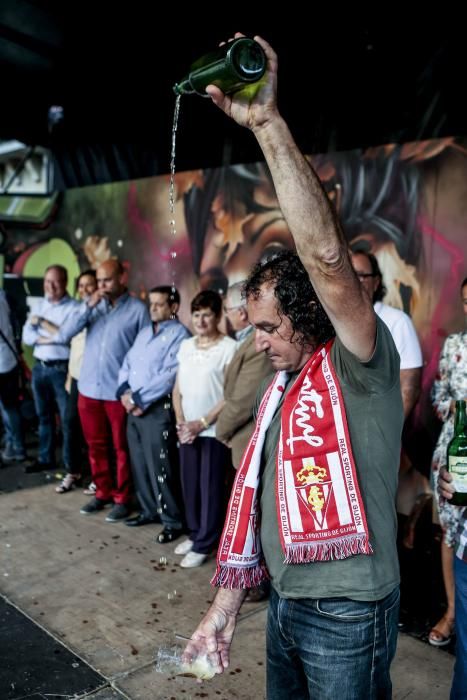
x: 373, y: 405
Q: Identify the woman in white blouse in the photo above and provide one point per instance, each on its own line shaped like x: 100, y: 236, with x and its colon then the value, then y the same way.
x: 198, y: 399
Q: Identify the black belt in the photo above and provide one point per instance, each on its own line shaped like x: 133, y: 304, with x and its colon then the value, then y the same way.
x: 52, y: 363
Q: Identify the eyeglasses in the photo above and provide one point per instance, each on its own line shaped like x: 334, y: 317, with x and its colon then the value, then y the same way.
x: 231, y: 308
x: 364, y: 275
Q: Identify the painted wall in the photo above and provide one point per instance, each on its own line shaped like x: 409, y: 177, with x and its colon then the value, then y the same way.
x: 407, y: 204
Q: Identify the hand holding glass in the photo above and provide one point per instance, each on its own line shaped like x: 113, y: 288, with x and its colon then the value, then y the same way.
x: 185, y: 660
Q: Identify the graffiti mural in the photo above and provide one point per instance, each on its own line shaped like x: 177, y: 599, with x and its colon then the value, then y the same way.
x: 405, y: 203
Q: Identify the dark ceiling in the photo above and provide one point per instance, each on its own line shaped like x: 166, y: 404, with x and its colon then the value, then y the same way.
x: 344, y: 82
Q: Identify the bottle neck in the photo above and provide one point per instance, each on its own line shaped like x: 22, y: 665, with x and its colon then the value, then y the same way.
x: 460, y: 424
x: 184, y: 87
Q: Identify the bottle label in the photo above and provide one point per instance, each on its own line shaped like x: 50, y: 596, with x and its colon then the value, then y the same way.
x: 458, y: 468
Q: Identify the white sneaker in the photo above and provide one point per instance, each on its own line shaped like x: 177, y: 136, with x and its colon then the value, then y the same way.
x: 90, y: 490
x: 192, y: 559
x: 184, y: 547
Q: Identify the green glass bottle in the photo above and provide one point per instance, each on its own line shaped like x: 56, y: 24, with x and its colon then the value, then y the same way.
x: 231, y: 67
x: 457, y: 456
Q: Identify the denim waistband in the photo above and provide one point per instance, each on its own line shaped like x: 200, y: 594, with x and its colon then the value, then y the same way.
x: 52, y: 363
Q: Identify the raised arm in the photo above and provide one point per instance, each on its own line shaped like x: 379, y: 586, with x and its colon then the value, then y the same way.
x: 311, y: 219
x: 75, y: 323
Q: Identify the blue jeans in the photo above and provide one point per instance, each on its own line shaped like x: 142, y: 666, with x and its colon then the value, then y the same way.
x: 459, y: 682
x: 331, y: 648
x: 48, y: 387
x: 14, y: 439
x: 9, y: 410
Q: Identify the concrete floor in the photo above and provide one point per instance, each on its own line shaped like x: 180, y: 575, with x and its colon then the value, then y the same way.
x: 103, y: 590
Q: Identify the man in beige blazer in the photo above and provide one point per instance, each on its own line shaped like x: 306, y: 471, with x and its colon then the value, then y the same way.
x: 246, y: 371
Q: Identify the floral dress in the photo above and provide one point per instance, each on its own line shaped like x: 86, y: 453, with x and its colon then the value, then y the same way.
x: 450, y: 384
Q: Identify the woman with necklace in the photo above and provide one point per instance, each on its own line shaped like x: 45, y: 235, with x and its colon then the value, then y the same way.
x: 198, y: 398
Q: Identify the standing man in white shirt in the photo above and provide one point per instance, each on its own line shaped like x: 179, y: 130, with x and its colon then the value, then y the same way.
x: 399, y: 323
x: 50, y: 370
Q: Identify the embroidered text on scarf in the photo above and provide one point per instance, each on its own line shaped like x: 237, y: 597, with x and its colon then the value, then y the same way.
x: 319, y: 506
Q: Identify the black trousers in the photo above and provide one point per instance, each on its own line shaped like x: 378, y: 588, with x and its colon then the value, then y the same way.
x: 203, y: 468
x: 152, y: 441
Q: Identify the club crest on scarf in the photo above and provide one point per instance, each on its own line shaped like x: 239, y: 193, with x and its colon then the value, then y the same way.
x: 311, y: 475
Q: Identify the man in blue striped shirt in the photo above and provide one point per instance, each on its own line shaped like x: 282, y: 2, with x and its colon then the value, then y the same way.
x: 146, y: 380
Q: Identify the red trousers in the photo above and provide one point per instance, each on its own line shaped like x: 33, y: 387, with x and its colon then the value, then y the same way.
x: 96, y: 417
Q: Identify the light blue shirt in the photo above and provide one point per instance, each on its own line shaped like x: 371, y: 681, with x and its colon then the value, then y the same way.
x: 7, y: 358
x: 111, y: 331
x: 57, y: 312
x: 242, y: 335
x: 149, y: 368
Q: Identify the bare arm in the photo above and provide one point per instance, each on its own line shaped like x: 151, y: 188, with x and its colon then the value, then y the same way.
x: 441, y: 392
x: 216, y: 629
x: 212, y: 415
x: 319, y: 240
x: 410, y: 387
x: 177, y: 403
x: 312, y: 221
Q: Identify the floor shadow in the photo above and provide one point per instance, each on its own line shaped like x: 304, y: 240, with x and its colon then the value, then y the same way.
x: 34, y: 663
x: 423, y: 600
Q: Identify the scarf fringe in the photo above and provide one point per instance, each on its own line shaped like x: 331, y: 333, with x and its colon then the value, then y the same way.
x: 239, y: 577
x: 342, y: 548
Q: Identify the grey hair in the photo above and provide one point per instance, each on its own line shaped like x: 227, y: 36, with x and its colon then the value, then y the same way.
x: 236, y: 294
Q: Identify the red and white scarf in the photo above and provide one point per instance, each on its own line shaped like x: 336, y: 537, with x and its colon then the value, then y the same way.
x: 319, y: 506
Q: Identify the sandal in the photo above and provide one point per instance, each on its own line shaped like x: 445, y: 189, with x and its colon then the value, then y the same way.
x: 436, y: 637
x: 68, y: 483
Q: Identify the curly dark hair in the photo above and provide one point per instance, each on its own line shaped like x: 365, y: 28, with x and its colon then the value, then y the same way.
x: 295, y: 296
